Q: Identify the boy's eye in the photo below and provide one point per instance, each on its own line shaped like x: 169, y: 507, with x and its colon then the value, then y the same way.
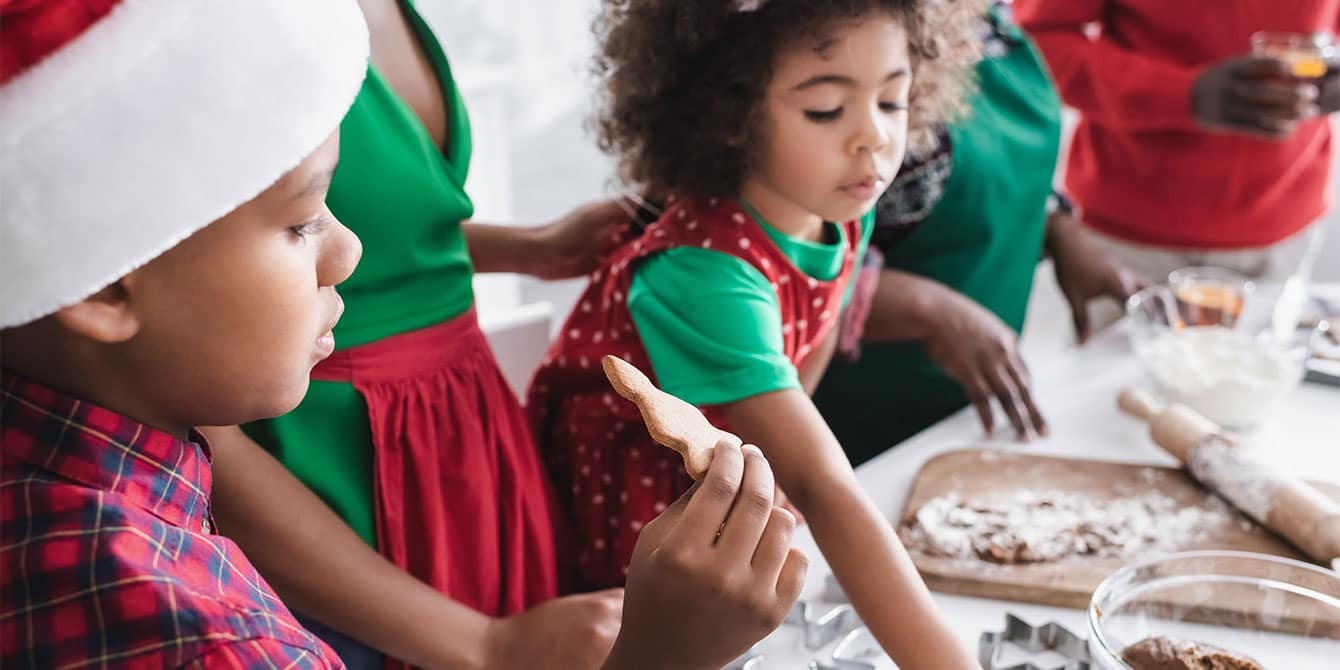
x: 309, y: 227
x: 823, y: 115
x: 891, y: 107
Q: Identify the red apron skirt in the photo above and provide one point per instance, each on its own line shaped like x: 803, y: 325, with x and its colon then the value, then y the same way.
x: 462, y: 500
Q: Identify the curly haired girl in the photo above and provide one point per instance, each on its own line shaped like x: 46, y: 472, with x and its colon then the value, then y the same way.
x: 770, y: 129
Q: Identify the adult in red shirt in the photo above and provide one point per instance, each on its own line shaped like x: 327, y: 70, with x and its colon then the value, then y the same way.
x: 1190, y: 151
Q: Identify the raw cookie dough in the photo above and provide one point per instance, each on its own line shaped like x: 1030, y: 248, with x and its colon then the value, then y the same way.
x: 1170, y: 653
x: 1045, y: 526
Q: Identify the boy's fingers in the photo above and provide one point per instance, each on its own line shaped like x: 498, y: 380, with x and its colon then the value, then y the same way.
x: 711, y: 502
x: 792, y: 579
x: 653, y: 534
x: 752, y: 509
x: 774, y: 545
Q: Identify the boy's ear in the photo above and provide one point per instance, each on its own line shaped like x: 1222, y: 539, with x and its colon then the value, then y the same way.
x: 103, y: 317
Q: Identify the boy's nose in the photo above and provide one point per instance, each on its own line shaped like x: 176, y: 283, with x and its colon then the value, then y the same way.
x: 340, y: 256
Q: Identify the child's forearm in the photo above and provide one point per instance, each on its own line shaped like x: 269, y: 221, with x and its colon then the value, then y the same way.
x: 813, y: 368
x: 320, y: 566
x: 861, y: 547
x: 878, y: 576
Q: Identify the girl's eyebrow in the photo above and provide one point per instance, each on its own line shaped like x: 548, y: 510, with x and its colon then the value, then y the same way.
x: 842, y: 80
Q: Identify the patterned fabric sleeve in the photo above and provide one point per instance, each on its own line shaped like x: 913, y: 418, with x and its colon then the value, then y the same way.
x: 258, y: 653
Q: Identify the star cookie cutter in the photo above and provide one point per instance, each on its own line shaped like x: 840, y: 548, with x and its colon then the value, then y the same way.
x: 821, y: 629
x: 1049, y: 637
x: 852, y: 652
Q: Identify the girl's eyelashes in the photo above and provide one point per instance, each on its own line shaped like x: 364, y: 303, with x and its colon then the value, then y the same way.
x: 827, y: 115
x: 823, y: 115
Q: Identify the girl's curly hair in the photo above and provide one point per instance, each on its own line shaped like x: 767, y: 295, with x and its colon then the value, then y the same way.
x: 683, y: 80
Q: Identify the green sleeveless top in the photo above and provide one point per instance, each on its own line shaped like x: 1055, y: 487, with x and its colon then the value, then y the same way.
x: 982, y: 238
x: 405, y: 199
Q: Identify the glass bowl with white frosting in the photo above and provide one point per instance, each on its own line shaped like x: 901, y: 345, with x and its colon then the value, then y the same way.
x: 1233, y: 376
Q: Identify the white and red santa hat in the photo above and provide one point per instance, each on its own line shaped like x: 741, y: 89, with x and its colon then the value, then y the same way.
x: 127, y: 125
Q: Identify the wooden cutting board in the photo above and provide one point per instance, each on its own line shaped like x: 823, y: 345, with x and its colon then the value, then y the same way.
x: 982, y: 473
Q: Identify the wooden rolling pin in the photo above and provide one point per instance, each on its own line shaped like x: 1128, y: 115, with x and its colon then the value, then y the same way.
x: 1288, y: 506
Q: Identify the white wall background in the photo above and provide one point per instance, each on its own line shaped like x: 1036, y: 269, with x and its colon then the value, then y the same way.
x: 523, y: 66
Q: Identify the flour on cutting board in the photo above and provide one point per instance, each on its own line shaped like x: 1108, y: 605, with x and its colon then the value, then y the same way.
x: 1037, y: 527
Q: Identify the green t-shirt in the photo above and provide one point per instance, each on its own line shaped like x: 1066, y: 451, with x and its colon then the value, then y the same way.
x: 405, y: 199
x: 711, y: 322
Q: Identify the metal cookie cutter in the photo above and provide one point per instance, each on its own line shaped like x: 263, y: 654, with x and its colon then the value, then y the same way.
x: 1052, y: 637
x: 851, y: 653
x: 821, y: 629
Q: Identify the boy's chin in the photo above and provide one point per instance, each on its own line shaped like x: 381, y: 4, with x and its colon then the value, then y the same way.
x: 278, y: 402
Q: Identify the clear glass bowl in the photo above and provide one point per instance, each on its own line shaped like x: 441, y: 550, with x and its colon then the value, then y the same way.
x: 1283, y: 613
x: 1234, y: 377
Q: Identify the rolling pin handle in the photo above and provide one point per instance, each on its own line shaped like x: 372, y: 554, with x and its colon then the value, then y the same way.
x: 1139, y: 404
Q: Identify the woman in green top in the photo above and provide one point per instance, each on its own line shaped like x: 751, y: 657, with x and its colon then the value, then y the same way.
x: 960, y: 231
x: 409, y: 432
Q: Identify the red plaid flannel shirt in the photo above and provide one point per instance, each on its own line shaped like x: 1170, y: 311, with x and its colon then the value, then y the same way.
x: 106, y: 551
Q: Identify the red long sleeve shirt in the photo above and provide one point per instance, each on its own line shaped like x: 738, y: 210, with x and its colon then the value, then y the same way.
x: 1139, y: 165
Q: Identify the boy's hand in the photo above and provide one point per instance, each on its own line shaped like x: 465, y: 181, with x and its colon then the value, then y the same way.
x: 572, y: 632
x: 712, y: 574
x: 1255, y: 96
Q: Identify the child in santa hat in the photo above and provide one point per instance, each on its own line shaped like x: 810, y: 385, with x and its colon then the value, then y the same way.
x: 168, y: 262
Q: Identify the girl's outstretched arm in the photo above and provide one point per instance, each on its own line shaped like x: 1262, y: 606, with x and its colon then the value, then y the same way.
x: 860, y: 545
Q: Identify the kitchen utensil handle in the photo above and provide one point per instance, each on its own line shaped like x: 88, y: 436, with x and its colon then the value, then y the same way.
x: 1139, y: 403
x: 1308, y: 518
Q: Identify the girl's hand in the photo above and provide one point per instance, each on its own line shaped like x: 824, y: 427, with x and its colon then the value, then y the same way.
x: 713, y: 574
x: 1085, y: 272
x: 574, y: 245
x: 977, y: 350
x: 571, y: 632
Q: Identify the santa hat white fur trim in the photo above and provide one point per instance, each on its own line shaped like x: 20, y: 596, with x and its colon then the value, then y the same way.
x: 159, y: 119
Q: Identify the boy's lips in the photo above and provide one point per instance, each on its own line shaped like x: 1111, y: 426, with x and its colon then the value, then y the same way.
x: 325, y: 343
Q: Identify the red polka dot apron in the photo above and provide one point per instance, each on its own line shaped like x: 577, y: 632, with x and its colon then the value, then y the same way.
x: 611, y: 478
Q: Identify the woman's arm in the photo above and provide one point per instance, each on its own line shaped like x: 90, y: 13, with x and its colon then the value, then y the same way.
x: 904, y: 307
x: 969, y: 343
x: 321, y: 568
x: 569, y: 247
x: 866, y: 556
x: 1083, y: 271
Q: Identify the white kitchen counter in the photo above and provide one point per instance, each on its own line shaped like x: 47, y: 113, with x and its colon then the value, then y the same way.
x: 1076, y: 391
